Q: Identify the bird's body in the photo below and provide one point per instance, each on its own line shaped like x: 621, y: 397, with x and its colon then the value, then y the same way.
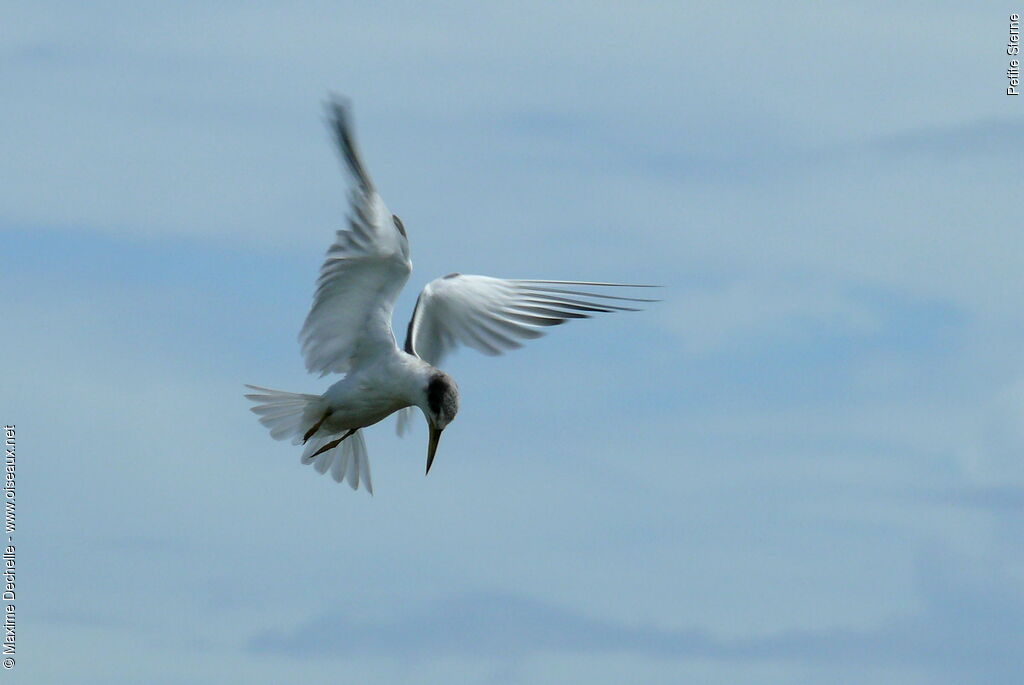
x: 371, y: 392
x: 348, y: 330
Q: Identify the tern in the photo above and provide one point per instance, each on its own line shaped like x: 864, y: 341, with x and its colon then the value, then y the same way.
x: 348, y: 331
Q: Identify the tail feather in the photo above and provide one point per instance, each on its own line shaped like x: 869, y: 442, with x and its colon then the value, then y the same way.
x: 404, y: 424
x: 313, y: 446
x: 340, y: 465
x: 348, y: 461
x: 322, y: 462
x: 291, y: 415
x: 359, y: 467
x: 286, y: 414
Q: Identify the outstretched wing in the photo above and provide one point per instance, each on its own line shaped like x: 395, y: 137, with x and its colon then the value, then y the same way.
x: 364, y: 271
x: 493, y: 314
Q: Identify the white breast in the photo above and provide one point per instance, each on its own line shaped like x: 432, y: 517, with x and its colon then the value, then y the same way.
x: 374, y: 391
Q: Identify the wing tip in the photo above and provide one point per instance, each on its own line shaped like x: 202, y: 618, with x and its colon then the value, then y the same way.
x: 339, y: 118
x: 538, y: 286
x: 602, y: 284
x: 338, y: 100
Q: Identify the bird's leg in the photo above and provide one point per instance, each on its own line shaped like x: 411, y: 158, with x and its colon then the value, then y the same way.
x: 315, y: 428
x: 331, y: 445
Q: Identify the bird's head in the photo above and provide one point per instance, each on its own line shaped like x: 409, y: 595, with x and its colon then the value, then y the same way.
x: 440, y: 404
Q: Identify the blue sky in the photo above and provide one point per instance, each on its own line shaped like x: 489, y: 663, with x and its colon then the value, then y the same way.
x: 804, y: 465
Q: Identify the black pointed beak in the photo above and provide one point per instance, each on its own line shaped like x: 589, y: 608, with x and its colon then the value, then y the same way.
x: 435, y: 437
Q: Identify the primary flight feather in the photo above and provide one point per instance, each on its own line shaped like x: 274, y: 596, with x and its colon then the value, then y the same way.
x: 348, y: 330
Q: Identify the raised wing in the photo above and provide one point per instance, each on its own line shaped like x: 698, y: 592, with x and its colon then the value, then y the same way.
x: 365, y: 269
x: 493, y: 314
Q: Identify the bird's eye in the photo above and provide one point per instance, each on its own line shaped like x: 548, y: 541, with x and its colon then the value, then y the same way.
x: 398, y: 224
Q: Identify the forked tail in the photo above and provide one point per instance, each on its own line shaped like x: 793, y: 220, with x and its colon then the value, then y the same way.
x: 300, y: 417
x: 286, y: 414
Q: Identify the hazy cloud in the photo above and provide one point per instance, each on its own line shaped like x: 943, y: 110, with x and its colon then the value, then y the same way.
x: 976, y: 631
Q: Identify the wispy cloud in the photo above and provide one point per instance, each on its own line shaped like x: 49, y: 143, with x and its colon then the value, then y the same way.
x: 1008, y: 498
x: 956, y: 632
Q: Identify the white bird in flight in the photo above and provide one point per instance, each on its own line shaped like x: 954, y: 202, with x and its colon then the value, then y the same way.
x: 348, y: 330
